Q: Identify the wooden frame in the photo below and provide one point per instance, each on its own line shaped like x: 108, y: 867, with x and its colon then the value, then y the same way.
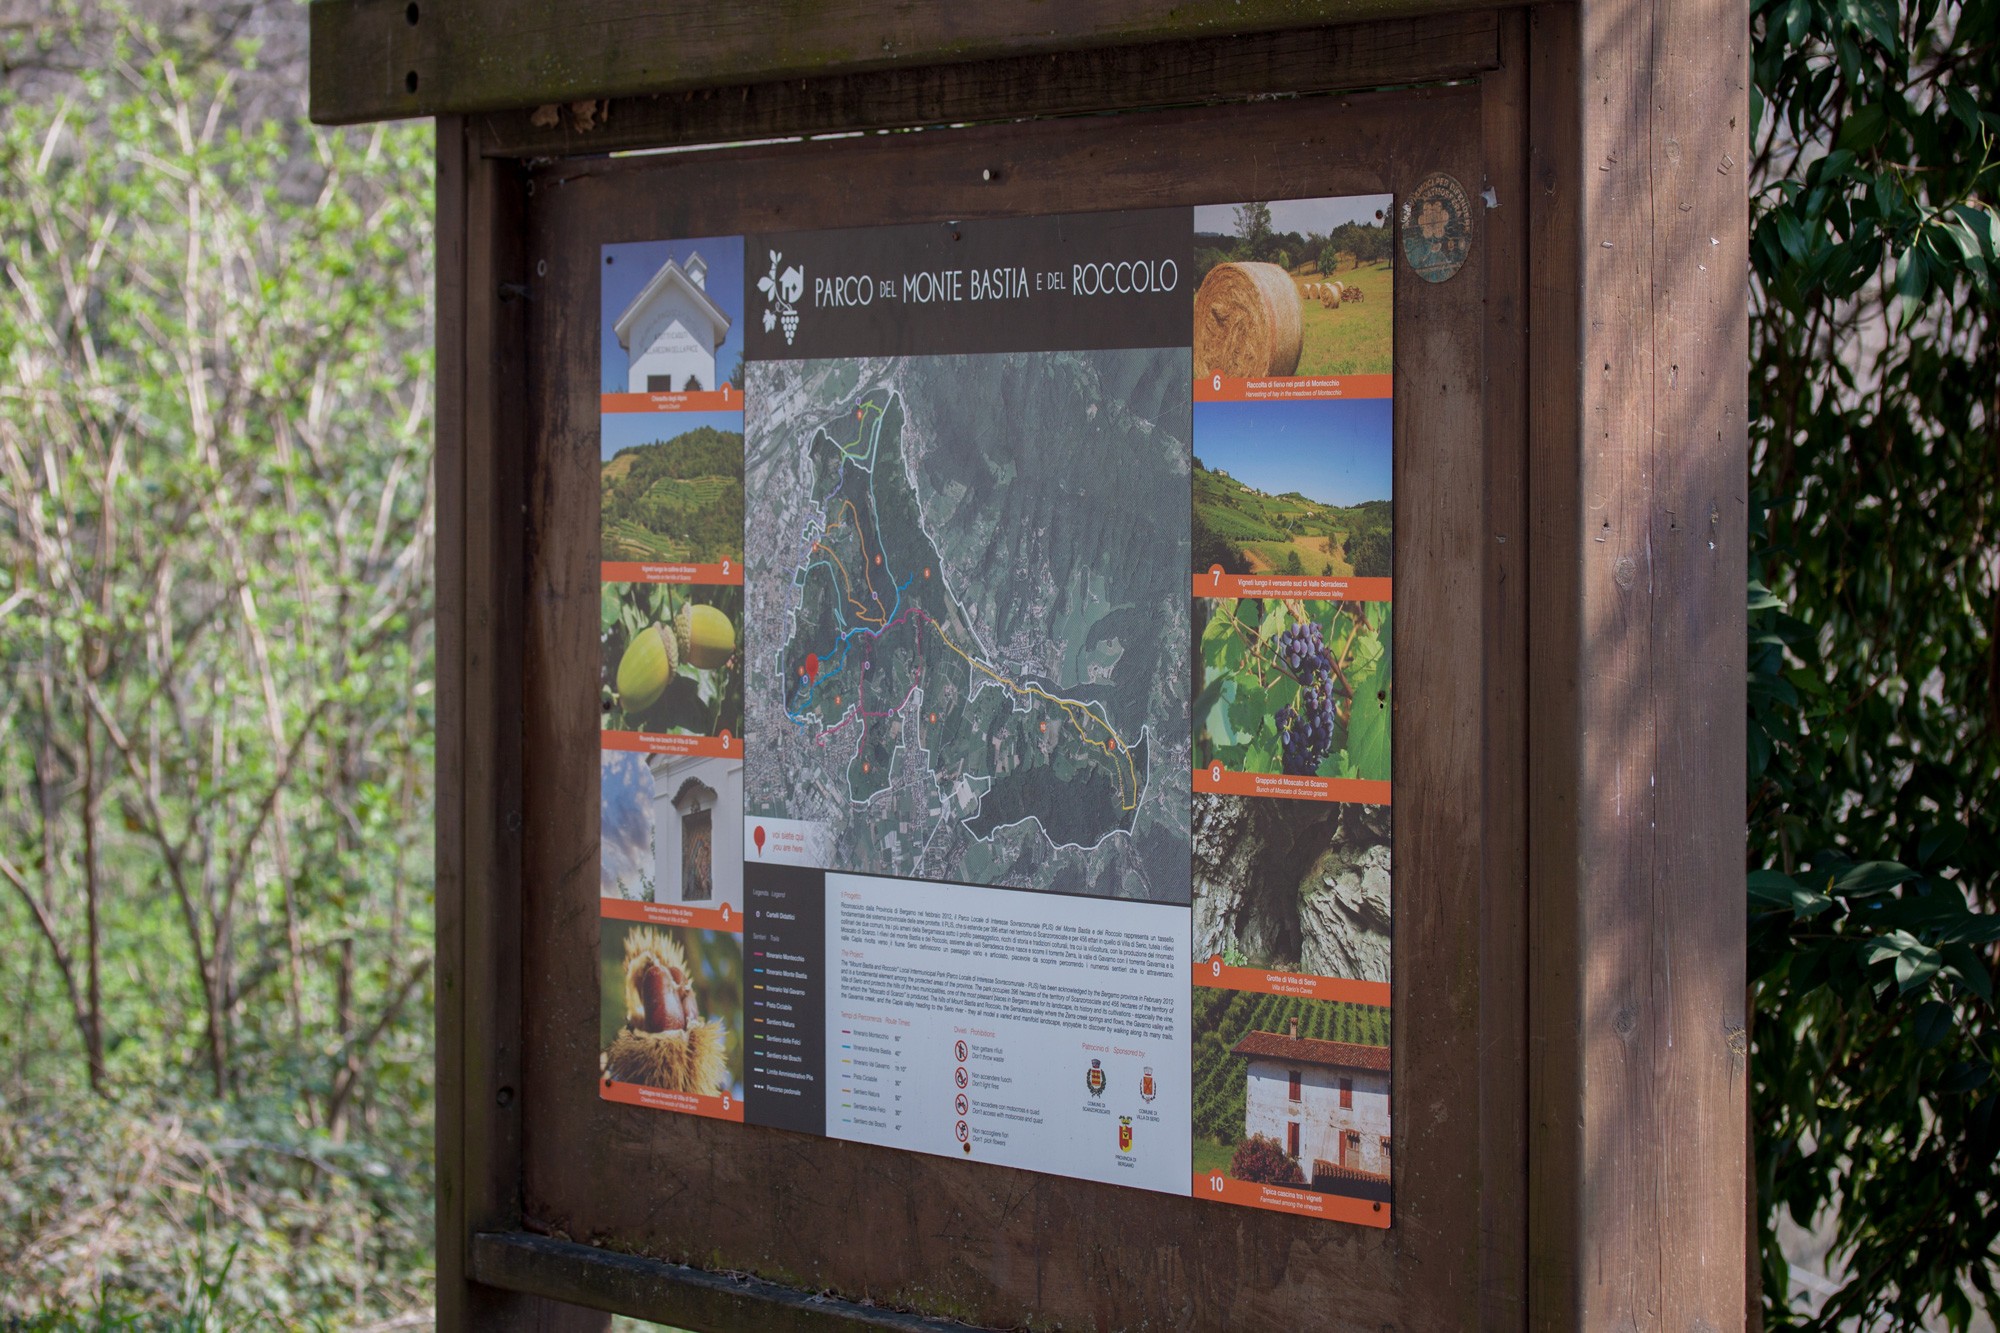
x: 1575, y: 950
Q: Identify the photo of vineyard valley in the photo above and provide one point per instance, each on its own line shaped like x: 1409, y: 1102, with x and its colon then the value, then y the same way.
x: 1292, y: 1092
x: 1293, y: 488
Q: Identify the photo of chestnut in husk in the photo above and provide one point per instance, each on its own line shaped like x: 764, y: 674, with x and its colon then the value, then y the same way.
x: 672, y: 658
x: 672, y: 1008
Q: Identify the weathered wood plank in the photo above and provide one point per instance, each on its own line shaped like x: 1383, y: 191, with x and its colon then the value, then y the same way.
x: 1430, y: 49
x: 480, y: 352
x: 975, y: 1241
x: 671, y: 1293
x: 1503, y: 900
x: 1555, y: 328
x: 452, y: 963
x: 382, y: 59
x: 1645, y: 677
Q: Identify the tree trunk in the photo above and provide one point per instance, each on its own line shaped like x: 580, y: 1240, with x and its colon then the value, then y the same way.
x: 93, y: 1028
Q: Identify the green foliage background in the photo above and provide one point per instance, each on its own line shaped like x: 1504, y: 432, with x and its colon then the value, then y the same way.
x: 1874, y: 765
x: 215, y: 689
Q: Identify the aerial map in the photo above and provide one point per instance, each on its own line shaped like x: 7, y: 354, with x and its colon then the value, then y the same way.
x: 967, y: 586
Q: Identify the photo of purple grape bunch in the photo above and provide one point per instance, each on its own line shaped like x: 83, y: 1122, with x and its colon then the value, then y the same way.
x: 1306, y: 732
x: 1295, y: 687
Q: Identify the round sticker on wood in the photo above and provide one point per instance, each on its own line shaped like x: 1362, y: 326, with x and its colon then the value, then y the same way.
x: 1437, y: 227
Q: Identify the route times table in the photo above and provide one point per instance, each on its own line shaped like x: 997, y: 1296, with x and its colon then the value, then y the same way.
x: 997, y: 686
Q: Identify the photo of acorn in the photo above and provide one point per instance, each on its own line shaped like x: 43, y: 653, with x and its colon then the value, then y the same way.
x: 671, y: 658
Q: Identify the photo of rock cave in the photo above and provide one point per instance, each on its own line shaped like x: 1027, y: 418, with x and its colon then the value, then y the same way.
x: 1295, y: 886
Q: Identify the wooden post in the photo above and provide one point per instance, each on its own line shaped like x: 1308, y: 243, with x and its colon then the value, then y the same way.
x: 1640, y: 452
x: 480, y: 347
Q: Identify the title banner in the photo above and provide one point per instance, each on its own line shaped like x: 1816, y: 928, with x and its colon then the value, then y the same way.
x: 1081, y: 281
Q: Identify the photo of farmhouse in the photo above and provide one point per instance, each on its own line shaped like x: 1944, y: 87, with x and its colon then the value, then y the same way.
x: 672, y: 312
x: 671, y: 487
x: 1292, y: 1092
x: 1296, y: 487
x: 669, y: 829
x: 1308, y: 283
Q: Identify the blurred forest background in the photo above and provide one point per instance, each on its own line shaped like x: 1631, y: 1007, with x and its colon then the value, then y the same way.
x: 215, y: 718
x: 215, y: 673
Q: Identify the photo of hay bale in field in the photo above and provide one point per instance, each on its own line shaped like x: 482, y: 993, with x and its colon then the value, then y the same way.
x: 1294, y: 287
x: 671, y: 1007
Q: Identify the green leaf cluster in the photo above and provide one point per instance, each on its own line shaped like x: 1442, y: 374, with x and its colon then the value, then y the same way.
x: 1874, y: 685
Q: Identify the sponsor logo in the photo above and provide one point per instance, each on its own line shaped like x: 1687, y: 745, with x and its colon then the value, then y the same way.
x: 1094, y: 1080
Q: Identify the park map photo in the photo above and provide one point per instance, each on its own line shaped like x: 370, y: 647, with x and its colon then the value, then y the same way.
x: 970, y: 664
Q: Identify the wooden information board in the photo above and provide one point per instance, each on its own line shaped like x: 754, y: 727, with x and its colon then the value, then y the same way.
x: 1567, y: 301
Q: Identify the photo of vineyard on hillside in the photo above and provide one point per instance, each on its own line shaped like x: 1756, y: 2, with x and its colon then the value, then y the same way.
x: 672, y: 487
x: 1295, y: 687
x: 671, y: 659
x: 1295, y: 886
x: 1292, y: 1092
x: 1293, y: 488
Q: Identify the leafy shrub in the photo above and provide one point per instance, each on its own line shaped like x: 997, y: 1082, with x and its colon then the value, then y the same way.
x: 1262, y: 1160
x: 1874, y: 688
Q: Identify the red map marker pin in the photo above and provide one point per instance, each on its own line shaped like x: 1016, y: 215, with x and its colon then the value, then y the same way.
x: 812, y: 666
x: 757, y: 836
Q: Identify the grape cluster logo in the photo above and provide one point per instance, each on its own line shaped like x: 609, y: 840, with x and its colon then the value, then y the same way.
x: 781, y: 296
